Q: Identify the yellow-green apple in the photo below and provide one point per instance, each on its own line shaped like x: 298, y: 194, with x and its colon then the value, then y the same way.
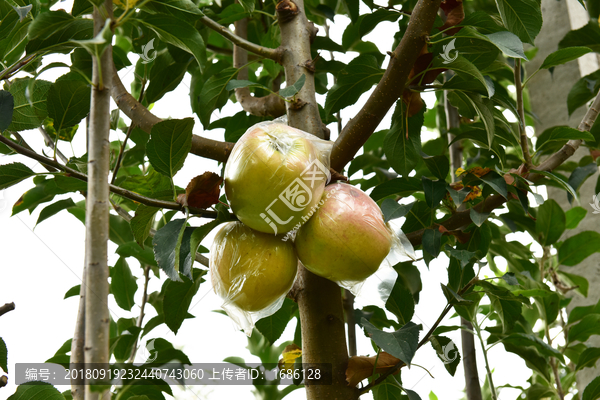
x: 346, y: 239
x: 251, y: 269
x: 274, y: 175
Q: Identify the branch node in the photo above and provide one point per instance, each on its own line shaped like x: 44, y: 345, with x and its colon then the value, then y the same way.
x: 286, y: 11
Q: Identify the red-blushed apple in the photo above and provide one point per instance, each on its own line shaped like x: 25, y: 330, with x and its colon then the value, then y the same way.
x: 251, y: 269
x: 275, y: 175
x: 346, y: 239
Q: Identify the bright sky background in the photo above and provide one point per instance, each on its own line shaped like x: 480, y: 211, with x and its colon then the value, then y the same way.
x: 39, y: 264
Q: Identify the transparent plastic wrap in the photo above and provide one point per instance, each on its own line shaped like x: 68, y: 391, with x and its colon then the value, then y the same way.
x: 348, y: 242
x: 252, y: 272
x: 275, y: 176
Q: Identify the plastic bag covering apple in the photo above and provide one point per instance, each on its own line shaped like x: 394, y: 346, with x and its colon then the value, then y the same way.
x: 252, y: 272
x: 275, y: 175
x: 347, y: 241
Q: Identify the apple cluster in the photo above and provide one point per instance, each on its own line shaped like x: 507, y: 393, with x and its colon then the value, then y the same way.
x: 275, y: 181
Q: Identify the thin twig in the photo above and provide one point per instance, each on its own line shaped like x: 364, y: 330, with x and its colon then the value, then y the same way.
x: 554, y: 366
x: 50, y: 143
x: 273, y: 54
x: 6, y: 308
x: 124, y: 144
x: 487, y: 364
x: 521, y: 111
x: 16, y: 67
x: 142, y: 307
x: 171, y: 205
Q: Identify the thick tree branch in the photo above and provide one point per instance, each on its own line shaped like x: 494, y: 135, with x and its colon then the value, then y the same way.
x: 6, y: 308
x: 77, y: 345
x: 171, y: 205
x: 143, y: 118
x: 97, y: 318
x: 273, y: 54
x: 390, y: 88
x: 271, y: 105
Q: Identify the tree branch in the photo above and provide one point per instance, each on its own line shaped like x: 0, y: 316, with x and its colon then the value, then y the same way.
x: 171, y: 205
x: 6, y: 308
x: 97, y: 318
x: 142, y: 117
x: 390, y: 88
x: 142, y: 307
x: 271, y: 105
x: 521, y: 111
x: 77, y: 345
x: 273, y: 54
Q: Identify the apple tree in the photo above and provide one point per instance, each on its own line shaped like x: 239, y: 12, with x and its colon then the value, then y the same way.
x: 462, y: 192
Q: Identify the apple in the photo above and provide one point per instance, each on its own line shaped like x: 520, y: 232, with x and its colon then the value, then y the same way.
x: 274, y: 175
x: 251, y: 269
x: 346, y: 239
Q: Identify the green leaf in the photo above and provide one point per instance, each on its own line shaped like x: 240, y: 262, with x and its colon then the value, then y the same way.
x: 54, y: 209
x: 496, y: 182
x: 3, y: 356
x: 508, y: 43
x: 178, y: 298
x: 132, y: 249
x: 237, y: 84
x: 214, y: 94
x: 74, y: 291
x: 167, y: 244
x: 402, y: 149
x: 591, y: 391
x: 550, y: 223
x: 579, y: 175
x: 401, y: 344
x: 521, y: 17
x: 439, y: 166
x: 585, y: 328
x: 293, y: 89
x: 588, y: 36
x: 273, y: 326
x: 561, y: 133
x: 392, y: 210
x: 574, y: 217
x: 582, y: 285
x: 477, y: 217
x: 389, y: 389
x: 124, y: 343
x: 29, y: 103
x: 401, y: 302
x: 447, y: 352
x: 11, y: 174
x: 53, y: 30
x: 463, y: 66
x: 453, y: 297
x: 584, y: 90
x: 563, y: 56
x: 7, y: 104
x: 522, y: 339
x: 248, y: 5
x: 588, y: 358
x: 200, y: 233
x: 356, y: 78
x: 68, y: 101
x: 577, y: 248
x: 169, y: 144
x: 434, y: 191
x: 432, y: 240
x: 142, y: 222
x: 36, y: 390
x: 177, y: 32
x: 509, y: 278
x: 398, y: 186
x: 122, y: 284
x: 98, y: 44
x: 558, y: 179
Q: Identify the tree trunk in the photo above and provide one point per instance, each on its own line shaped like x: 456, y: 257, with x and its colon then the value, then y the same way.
x: 319, y: 300
x: 97, y: 318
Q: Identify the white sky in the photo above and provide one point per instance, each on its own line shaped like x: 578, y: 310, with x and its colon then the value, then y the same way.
x: 39, y: 265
